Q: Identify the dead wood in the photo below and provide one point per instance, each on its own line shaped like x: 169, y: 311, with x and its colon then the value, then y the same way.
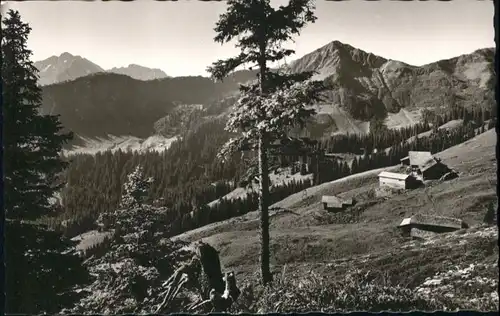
x: 222, y: 291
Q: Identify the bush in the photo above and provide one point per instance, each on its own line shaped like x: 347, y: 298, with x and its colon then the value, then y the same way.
x: 129, y: 268
x: 473, y: 287
x: 357, y: 291
x: 490, y: 217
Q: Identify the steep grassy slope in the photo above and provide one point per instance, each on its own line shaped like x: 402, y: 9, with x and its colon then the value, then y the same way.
x: 304, y: 234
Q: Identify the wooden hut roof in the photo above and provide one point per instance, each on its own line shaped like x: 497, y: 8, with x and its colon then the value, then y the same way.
x: 393, y: 175
x: 432, y: 220
x: 332, y: 201
x: 420, y: 158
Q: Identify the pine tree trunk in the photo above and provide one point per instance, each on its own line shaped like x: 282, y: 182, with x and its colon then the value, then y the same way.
x: 264, y: 212
x: 264, y: 178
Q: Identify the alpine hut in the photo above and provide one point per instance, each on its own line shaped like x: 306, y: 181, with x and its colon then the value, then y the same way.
x: 397, y: 180
x: 333, y: 203
x: 424, y: 166
x: 422, y: 226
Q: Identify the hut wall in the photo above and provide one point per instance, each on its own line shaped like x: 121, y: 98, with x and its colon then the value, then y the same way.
x: 392, y: 183
x: 422, y: 234
x: 433, y: 228
x: 435, y: 172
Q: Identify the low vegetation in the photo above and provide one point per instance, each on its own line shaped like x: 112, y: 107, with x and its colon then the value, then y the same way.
x: 440, y: 273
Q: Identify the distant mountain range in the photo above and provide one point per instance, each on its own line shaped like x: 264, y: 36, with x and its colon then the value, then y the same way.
x: 139, y: 72
x: 67, y: 67
x: 362, y: 85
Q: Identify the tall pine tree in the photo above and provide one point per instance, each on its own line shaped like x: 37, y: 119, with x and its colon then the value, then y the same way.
x: 136, y: 188
x: 41, y: 266
x: 276, y: 101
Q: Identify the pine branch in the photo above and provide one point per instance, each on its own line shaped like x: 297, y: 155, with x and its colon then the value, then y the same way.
x: 222, y: 68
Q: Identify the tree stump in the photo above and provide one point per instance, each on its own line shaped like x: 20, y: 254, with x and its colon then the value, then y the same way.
x: 218, y: 292
x: 210, y: 263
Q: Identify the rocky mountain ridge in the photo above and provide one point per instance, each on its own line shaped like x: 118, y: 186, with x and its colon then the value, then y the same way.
x: 67, y: 67
x: 367, y: 85
x: 362, y: 86
x: 139, y: 72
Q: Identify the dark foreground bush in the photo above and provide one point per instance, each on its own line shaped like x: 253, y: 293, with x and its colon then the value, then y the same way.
x: 313, y: 292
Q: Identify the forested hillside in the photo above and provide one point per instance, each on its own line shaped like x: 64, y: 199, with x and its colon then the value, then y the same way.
x: 188, y: 175
x: 109, y: 103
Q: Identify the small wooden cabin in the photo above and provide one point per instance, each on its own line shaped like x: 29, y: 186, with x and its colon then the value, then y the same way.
x: 333, y: 203
x: 423, y: 226
x: 424, y: 166
x: 397, y: 180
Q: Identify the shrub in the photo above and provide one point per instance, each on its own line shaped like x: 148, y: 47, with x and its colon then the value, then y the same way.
x: 490, y: 217
x: 473, y: 287
x: 129, y: 273
x: 357, y: 291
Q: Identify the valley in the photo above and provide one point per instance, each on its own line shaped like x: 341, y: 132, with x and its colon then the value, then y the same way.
x: 206, y: 167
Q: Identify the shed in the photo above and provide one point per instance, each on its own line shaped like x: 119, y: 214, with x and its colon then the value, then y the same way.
x: 422, y: 226
x: 332, y: 203
x: 397, y: 180
x: 424, y: 165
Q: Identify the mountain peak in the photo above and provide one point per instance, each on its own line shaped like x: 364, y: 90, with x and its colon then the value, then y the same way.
x: 331, y: 58
x: 337, y: 44
x: 63, y: 68
x: 66, y: 55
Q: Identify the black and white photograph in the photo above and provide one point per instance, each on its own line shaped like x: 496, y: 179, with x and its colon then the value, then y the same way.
x: 249, y: 156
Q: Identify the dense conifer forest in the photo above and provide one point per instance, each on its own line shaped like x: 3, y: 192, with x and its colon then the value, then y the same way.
x: 188, y: 176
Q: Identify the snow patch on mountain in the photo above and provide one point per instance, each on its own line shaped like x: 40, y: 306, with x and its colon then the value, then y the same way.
x: 478, y: 71
x: 46, y: 68
x: 402, y: 119
x: 343, y: 120
x: 391, y: 71
x: 125, y: 143
x: 452, y: 124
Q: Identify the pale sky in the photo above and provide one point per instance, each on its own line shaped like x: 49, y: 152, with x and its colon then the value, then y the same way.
x: 177, y: 37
